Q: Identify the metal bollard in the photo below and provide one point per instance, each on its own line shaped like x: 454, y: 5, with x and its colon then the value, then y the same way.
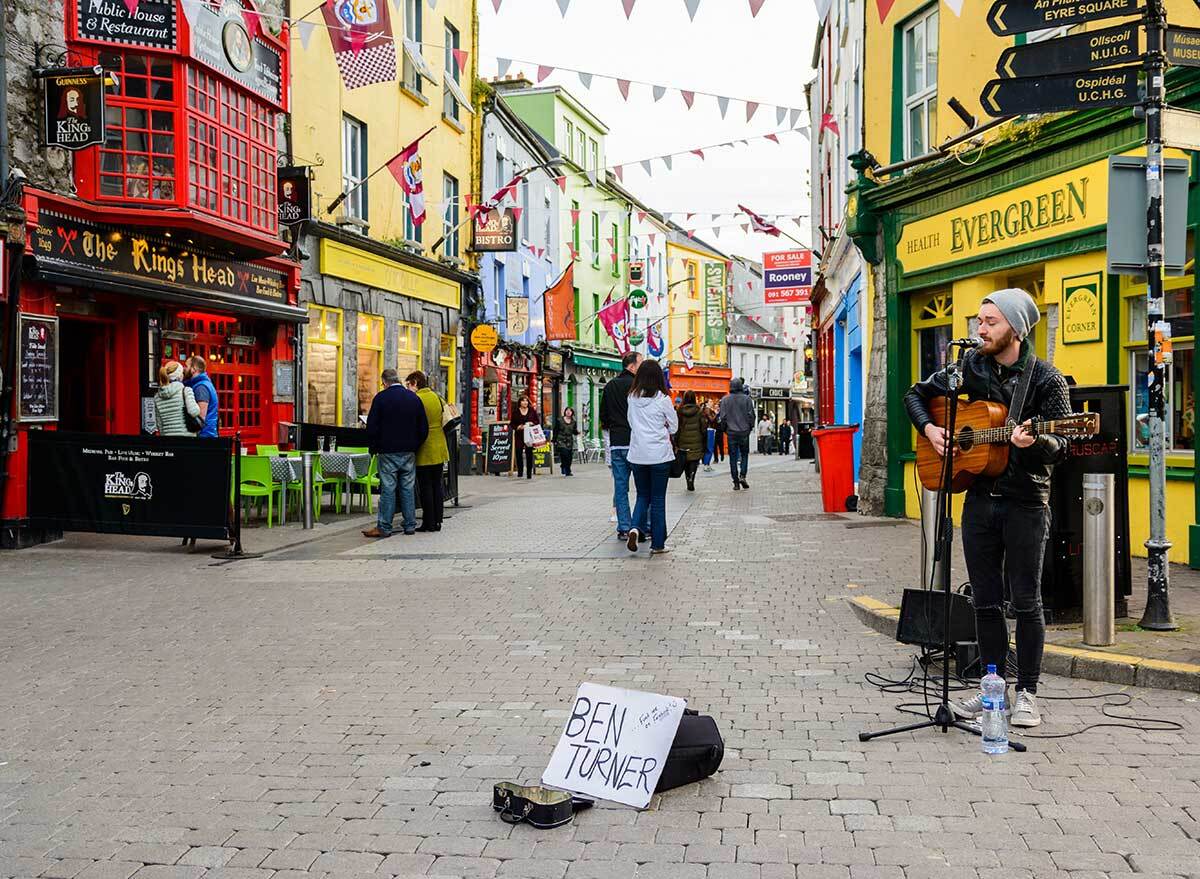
x: 306, y: 488
x: 930, y: 576
x: 1099, y: 624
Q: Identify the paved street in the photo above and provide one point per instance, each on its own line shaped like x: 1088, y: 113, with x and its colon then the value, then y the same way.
x: 343, y: 708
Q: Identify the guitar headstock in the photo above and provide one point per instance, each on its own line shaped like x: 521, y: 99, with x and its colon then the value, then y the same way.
x: 1077, y: 424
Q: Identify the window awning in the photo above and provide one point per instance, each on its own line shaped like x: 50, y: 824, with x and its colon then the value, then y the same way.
x: 413, y: 53
x: 459, y: 95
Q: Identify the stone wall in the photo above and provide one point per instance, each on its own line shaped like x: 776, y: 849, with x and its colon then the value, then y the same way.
x: 29, y: 23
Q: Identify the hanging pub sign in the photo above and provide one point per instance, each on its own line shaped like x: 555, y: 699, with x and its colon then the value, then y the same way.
x: 134, y: 255
x: 637, y: 273
x: 150, y: 23
x: 494, y: 232
x: 221, y: 40
x: 637, y: 298
x: 293, y: 196
x: 74, y: 107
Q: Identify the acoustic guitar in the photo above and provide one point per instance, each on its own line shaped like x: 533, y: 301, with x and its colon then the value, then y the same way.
x: 981, y: 440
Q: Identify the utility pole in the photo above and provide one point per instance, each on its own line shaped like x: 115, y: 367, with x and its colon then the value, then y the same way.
x: 1158, y: 605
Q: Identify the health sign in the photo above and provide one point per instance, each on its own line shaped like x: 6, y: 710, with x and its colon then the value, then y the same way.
x: 787, y: 277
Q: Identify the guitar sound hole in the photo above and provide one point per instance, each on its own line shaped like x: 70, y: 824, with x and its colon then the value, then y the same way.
x: 966, y: 439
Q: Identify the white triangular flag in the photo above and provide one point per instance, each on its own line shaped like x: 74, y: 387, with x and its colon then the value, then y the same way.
x: 780, y: 115
x: 646, y: 167
x: 794, y: 118
x: 803, y: 130
x: 502, y: 65
x: 692, y: 6
x: 955, y: 7
x: 433, y: 4
x: 562, y: 7
x: 190, y: 7
x: 659, y: 91
x: 723, y: 105
x: 305, y: 29
x: 585, y: 79
x: 667, y: 162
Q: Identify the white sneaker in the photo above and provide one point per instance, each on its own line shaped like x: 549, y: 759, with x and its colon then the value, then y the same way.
x: 969, y: 709
x: 1025, y: 712
x: 631, y: 542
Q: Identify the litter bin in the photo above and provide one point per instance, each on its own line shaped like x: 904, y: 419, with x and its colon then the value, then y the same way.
x: 835, y: 449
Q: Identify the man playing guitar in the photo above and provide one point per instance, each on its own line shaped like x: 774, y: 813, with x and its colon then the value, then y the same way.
x: 1006, y: 519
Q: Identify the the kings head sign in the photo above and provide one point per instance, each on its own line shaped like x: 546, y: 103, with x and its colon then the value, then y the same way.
x: 74, y: 107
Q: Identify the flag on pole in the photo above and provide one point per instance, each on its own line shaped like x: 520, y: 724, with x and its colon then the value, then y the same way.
x: 614, y: 317
x: 685, y: 351
x: 405, y: 166
x: 828, y: 122
x: 361, y: 36
x: 760, y: 224
x: 559, y: 305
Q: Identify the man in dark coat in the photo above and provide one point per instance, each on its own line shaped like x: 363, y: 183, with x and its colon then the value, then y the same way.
x: 396, y: 427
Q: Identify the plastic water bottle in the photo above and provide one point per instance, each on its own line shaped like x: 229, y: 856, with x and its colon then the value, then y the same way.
x: 994, y: 723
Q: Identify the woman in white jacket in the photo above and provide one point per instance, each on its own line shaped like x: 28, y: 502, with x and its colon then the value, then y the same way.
x: 652, y: 423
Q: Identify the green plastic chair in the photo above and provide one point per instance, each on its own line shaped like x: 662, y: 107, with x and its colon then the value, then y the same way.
x: 297, y: 486
x: 257, y: 482
x: 353, y: 450
x: 264, y: 449
x: 366, y: 483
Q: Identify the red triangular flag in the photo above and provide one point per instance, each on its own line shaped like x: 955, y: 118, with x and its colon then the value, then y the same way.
x: 755, y: 5
x: 688, y: 97
x: 574, y: 253
x: 641, y: 216
x: 653, y: 257
x: 628, y: 4
x: 773, y: 137
x: 132, y: 6
x: 827, y: 121
x: 544, y: 70
x: 885, y: 6
x: 689, y: 217
x: 699, y: 153
x: 623, y: 85
x: 251, y: 17
x: 562, y: 183
x: 574, y: 215
x: 619, y: 170
x: 652, y: 236
x: 496, y: 4
x: 516, y: 214
x: 460, y: 58
x: 751, y: 109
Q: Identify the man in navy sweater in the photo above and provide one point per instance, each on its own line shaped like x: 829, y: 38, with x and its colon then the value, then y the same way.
x: 396, y: 427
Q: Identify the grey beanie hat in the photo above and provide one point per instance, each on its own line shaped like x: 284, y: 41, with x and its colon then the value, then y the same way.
x: 1018, y: 309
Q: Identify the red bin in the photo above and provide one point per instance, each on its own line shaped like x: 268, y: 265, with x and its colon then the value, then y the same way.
x: 835, y: 451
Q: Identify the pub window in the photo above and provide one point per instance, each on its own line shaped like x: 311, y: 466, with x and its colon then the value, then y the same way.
x: 920, y: 52
x: 451, y: 72
x: 595, y: 154
x: 616, y: 240
x: 694, y: 331
x: 354, y: 167
x: 370, y: 359
x: 570, y: 140
x: 932, y: 320
x: 1179, y: 390
x: 412, y: 34
x: 137, y: 160
x: 447, y: 360
x: 408, y: 348
x: 595, y: 241
x: 575, y: 231
x: 323, y: 398
x: 450, y: 196
x: 581, y: 148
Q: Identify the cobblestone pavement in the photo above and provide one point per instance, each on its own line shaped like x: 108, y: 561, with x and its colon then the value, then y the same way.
x: 343, y: 708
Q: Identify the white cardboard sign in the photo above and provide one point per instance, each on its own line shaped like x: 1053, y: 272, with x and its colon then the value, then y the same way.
x: 614, y: 744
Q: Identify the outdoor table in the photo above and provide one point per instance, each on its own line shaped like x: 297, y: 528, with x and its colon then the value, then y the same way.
x: 346, y: 465
x: 283, y: 471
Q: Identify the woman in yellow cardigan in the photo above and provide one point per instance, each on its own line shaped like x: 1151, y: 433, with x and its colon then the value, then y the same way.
x: 432, y: 454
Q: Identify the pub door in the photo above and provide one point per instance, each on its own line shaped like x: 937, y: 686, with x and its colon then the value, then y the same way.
x: 85, y: 367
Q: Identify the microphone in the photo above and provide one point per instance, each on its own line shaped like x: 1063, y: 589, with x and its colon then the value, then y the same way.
x: 967, y: 343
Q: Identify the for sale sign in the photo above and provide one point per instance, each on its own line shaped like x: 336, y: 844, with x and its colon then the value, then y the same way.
x: 787, y: 277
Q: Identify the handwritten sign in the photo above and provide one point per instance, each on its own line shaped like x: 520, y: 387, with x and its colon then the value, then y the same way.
x: 614, y: 744
x: 37, y: 368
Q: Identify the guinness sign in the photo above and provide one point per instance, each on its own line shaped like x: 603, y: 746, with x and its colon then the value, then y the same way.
x: 74, y: 107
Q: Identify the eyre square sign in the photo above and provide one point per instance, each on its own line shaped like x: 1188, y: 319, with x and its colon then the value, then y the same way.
x: 787, y: 277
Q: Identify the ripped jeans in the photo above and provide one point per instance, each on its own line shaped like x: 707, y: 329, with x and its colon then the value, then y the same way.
x: 1004, y: 542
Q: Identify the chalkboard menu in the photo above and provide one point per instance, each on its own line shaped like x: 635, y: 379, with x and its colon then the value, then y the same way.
x: 152, y: 23
x: 498, y: 455
x: 37, y: 368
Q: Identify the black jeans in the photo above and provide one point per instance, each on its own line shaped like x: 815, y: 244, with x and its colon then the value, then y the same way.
x: 719, y: 446
x: 524, y: 461
x: 1004, y: 542
x: 739, y: 447
x: 689, y: 471
x: 429, y: 490
x: 564, y: 460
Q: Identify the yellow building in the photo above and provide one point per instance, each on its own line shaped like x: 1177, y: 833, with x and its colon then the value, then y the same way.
x: 1024, y: 205
x: 698, y: 290
x: 382, y: 291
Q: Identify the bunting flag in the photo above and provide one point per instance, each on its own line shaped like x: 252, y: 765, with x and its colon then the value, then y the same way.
x: 585, y: 79
x: 646, y: 167
x: 658, y: 91
x: 773, y: 137
x: 667, y: 160
x: 361, y: 36
x: 562, y: 183
x: 795, y: 117
x: 955, y: 7
x: 574, y: 216
x: 623, y: 85
x: 614, y: 317
x: 132, y: 6
x: 250, y: 16
x: 760, y: 224
x: 543, y: 71
x: 722, y: 105
x: 885, y: 6
x: 563, y: 5
x: 305, y: 29
x: 828, y: 122
x: 516, y: 212
x: 502, y: 66
x: 628, y: 4
x: 688, y: 97
x: 751, y: 109
x: 405, y: 166
x: 496, y: 4
x: 692, y: 6
x: 755, y: 5
x: 619, y: 172
x: 558, y: 305
x: 572, y: 252
x: 641, y: 215
x: 460, y: 59
x: 685, y: 351
x: 699, y: 153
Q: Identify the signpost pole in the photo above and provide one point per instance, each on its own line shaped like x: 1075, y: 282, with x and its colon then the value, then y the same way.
x: 1158, y: 607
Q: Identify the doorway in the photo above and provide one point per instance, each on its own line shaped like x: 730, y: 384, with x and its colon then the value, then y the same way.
x: 84, y: 381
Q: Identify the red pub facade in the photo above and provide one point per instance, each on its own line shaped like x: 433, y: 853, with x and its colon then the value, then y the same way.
x: 169, y: 245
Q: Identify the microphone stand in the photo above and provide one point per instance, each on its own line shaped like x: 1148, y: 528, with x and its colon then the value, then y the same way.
x: 944, y: 718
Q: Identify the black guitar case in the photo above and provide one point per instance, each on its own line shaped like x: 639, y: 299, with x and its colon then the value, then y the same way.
x: 695, y: 754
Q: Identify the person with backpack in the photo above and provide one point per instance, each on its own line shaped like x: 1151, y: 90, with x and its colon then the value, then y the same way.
x: 691, y: 437
x: 175, y: 409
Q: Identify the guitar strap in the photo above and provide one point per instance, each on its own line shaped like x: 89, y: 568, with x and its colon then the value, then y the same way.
x: 1017, y: 409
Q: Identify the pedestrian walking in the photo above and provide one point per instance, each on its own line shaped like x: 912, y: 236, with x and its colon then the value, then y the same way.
x: 524, y: 415
x: 652, y: 421
x: 691, y: 436
x: 736, y: 413
x: 718, y: 427
x: 763, y: 431
x: 396, y: 427
x: 785, y: 437
x: 175, y: 403
x: 196, y: 378
x: 566, y: 428
x: 614, y: 418
x: 432, y: 455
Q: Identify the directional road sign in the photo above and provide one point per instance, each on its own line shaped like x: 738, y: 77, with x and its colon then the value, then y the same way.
x: 1102, y: 48
x: 1116, y: 87
x: 1183, y: 46
x: 1019, y: 16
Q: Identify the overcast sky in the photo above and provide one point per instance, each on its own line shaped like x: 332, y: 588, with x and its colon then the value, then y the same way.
x: 725, y: 51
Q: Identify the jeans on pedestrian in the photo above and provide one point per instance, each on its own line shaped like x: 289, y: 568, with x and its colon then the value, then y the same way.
x: 565, y: 457
x: 710, y: 443
x: 651, y: 481
x: 397, y: 469
x: 620, y: 473
x: 429, y: 485
x: 1004, y: 542
x: 739, y: 455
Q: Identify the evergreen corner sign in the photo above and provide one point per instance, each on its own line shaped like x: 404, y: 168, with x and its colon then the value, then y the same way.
x: 1082, y: 298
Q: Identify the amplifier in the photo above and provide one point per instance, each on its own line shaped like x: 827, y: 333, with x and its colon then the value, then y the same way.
x: 922, y: 618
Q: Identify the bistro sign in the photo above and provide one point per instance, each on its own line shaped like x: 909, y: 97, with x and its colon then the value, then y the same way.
x: 137, y: 256
x: 495, y: 231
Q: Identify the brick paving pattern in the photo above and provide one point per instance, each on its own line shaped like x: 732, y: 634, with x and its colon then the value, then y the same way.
x: 343, y: 710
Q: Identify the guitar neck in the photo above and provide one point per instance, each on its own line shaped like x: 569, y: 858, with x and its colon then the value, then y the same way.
x: 1003, y: 433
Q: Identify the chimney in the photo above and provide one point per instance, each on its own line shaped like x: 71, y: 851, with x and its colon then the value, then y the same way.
x: 511, y: 83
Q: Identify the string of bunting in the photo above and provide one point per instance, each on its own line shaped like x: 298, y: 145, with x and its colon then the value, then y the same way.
x: 692, y: 7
